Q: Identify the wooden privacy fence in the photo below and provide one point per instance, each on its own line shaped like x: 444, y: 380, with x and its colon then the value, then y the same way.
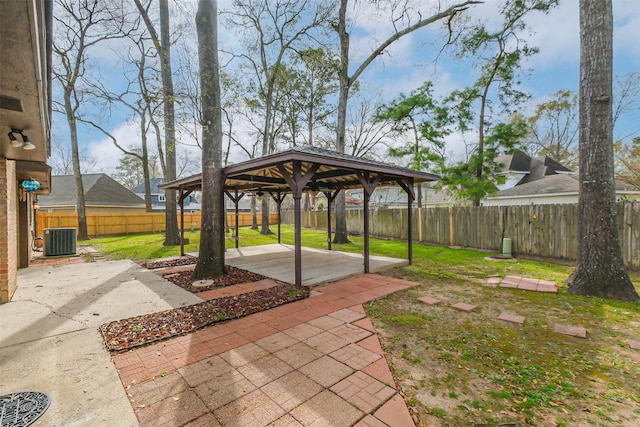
x: 110, y: 223
x: 549, y: 231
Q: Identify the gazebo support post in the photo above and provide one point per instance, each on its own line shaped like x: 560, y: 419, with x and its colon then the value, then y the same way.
x: 297, y: 182
x: 330, y: 198
x: 278, y: 198
x: 183, y: 195
x: 235, y: 199
x: 368, y: 185
x: 181, y: 224
x: 407, y: 185
x: 366, y: 232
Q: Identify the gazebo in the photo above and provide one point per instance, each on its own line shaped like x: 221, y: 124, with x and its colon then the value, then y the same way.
x: 308, y: 169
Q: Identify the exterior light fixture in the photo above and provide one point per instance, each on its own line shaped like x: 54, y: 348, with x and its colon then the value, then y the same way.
x: 259, y: 194
x: 36, y: 205
x: 16, y: 142
x: 13, y: 141
x: 30, y: 185
x: 27, y: 144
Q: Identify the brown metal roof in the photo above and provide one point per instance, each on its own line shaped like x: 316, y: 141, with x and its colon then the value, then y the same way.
x: 335, y: 170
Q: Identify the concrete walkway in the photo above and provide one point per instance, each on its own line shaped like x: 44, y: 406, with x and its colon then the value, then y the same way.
x: 49, y: 339
x: 315, y: 362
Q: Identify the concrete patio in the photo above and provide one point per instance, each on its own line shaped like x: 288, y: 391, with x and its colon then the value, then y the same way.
x: 287, y: 366
x: 277, y: 261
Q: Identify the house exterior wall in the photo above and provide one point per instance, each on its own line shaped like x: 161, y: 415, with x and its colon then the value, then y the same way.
x: 550, y: 199
x: 543, y: 199
x: 8, y: 229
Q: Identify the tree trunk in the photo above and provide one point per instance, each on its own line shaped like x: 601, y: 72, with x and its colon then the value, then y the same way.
x: 212, y: 241
x: 172, y: 237
x: 600, y: 269
x: 254, y: 214
x: 77, y: 174
x: 341, y: 235
x: 145, y: 164
x: 264, y: 229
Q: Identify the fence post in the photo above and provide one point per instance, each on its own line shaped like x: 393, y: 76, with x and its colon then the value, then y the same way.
x: 450, y: 225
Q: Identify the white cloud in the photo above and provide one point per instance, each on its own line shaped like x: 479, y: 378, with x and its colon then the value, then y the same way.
x: 625, y: 36
x: 106, y: 153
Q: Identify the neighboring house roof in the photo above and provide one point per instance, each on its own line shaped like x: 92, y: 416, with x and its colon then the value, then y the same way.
x: 518, y: 161
x: 99, y: 189
x: 534, y: 168
x: 552, y: 184
x: 546, y: 185
x: 139, y: 189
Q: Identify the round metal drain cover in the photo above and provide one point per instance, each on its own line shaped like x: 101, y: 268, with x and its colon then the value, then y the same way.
x: 23, y: 408
x: 202, y: 283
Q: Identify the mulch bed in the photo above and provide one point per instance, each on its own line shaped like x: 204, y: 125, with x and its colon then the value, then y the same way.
x: 171, y: 262
x: 141, y: 330
x: 234, y: 276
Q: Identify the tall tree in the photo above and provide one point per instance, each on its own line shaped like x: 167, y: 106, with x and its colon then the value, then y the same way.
x: 272, y: 31
x: 61, y: 160
x: 628, y: 159
x: 162, y: 44
x: 130, y: 169
x: 498, y: 55
x: 80, y: 27
x: 553, y: 129
x: 462, y: 178
x: 600, y: 269
x: 211, y: 255
x: 140, y: 100
x: 347, y: 81
x: 314, y: 83
x: 424, y: 123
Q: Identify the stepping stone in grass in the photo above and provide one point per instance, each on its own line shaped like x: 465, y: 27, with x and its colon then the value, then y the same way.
x: 634, y: 344
x: 543, y: 287
x: 572, y: 331
x: 528, y: 285
x: 513, y: 318
x: 464, y: 307
x: 508, y: 284
x: 492, y: 280
x: 429, y: 300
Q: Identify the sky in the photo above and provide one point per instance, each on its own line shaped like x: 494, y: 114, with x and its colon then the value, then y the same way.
x: 409, y: 62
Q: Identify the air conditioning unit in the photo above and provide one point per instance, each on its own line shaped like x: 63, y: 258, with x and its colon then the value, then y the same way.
x: 59, y: 241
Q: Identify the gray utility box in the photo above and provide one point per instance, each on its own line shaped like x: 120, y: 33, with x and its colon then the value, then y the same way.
x: 59, y: 241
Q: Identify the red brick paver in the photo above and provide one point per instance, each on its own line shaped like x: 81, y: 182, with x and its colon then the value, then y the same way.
x: 573, y: 331
x: 395, y: 413
x: 464, y: 307
x: 429, y: 300
x: 315, y: 362
x: 524, y: 283
x: 362, y: 391
x: 513, y: 318
x: 355, y: 356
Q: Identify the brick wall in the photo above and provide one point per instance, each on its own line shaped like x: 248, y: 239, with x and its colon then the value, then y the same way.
x: 8, y: 229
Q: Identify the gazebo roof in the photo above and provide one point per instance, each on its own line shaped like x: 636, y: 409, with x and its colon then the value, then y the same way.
x: 334, y: 171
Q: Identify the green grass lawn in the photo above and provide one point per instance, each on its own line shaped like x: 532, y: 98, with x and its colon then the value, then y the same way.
x: 458, y: 368
x: 429, y: 261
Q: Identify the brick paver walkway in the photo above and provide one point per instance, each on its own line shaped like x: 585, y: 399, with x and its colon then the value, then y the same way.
x: 524, y: 283
x: 314, y: 362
